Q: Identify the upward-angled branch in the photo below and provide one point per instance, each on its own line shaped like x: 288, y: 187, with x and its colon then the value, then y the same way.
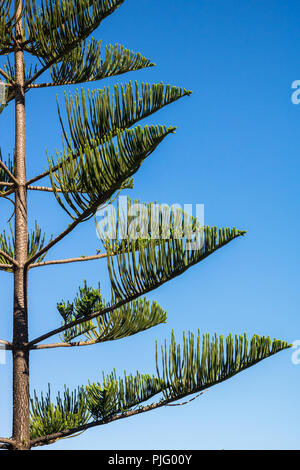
x: 9, y: 258
x: 9, y: 79
x: 8, y: 172
x: 61, y: 236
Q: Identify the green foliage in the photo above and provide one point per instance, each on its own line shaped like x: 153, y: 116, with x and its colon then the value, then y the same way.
x: 101, y: 153
x: 101, y: 115
x: 127, y: 320
x: 84, y: 63
x: 181, y: 371
x: 9, y: 69
x: 35, y: 242
x: 87, y: 301
x: 133, y: 317
x: 7, y: 23
x: 206, y: 362
x: 68, y: 412
x: 117, y: 395
x: 100, y: 171
x: 4, y: 178
x: 139, y: 266
x: 181, y: 374
x: 56, y: 27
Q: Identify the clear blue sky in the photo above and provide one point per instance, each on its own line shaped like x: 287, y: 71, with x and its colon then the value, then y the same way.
x: 236, y: 151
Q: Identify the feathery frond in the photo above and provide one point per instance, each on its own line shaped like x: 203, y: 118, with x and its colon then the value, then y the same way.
x: 56, y: 27
x: 204, y: 362
x: 141, y: 265
x: 8, y: 20
x: 132, y: 318
x: 101, y: 170
x: 84, y: 63
x: 101, y: 114
x: 68, y: 412
x: 35, y: 242
x: 181, y: 371
x: 117, y: 395
x: 4, y: 177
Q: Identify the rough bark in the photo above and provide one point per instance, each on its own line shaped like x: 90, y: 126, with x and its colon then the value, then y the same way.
x: 21, y: 432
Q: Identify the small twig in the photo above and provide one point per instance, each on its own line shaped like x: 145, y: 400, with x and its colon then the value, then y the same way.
x: 189, y: 401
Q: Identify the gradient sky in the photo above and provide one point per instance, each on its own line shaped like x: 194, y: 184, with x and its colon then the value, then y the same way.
x: 236, y: 151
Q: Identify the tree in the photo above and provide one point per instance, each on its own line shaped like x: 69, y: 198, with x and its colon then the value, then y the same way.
x: 103, y: 148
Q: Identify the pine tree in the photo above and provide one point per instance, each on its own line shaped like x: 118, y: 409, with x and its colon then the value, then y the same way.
x: 103, y: 147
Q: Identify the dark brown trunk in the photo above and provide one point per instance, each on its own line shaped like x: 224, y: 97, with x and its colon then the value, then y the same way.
x: 21, y: 434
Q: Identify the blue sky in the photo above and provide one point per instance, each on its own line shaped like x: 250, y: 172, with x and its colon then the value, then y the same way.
x: 236, y: 151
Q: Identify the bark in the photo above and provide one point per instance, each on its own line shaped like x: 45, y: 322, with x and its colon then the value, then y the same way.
x: 21, y: 431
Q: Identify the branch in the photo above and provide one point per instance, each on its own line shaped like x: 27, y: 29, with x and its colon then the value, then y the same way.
x: 43, y: 69
x: 109, y: 309
x: 49, y: 190
x: 84, y: 320
x: 8, y: 346
x: 44, y: 440
x: 88, y: 317
x: 4, y: 440
x: 64, y: 345
x: 12, y: 177
x: 6, y: 266
x: 8, y: 192
x: 40, y: 188
x: 9, y: 258
x: 69, y: 260
x: 10, y: 80
x: 63, y: 234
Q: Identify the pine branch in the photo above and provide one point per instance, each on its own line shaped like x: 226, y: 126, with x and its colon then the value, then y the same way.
x: 50, y: 439
x: 103, y: 168
x: 100, y: 114
x: 160, y: 261
x: 56, y: 29
x: 107, y: 115
x: 192, y: 369
x: 95, y: 179
x: 84, y: 64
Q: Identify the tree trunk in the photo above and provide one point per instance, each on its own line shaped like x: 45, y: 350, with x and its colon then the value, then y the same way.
x: 21, y: 432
